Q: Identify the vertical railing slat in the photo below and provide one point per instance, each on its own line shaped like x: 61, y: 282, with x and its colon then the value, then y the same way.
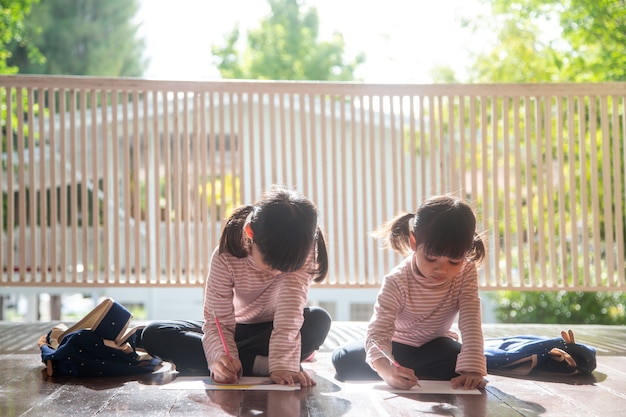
x: 95, y: 187
x: 148, y: 220
x: 494, y: 175
x: 251, y: 150
x: 63, y: 186
x: 73, y: 188
x: 195, y: 241
x: 324, y: 161
x: 561, y: 267
x: 330, y: 222
x: 550, y: 237
x: 42, y: 220
x: 273, y: 141
x: 85, y: 255
x: 619, y: 192
x: 507, y: 201
x: 585, y: 249
x: 10, y: 178
x: 285, y: 154
x: 595, y: 192
x: 258, y: 125
x: 185, y: 215
x: 6, y: 243
x: 35, y: 256
x: 211, y: 156
x: 160, y: 137
x: 289, y: 141
x: 372, y: 190
x: 520, y: 201
x: 422, y: 150
x: 353, y: 210
x: 311, y: 189
x: 241, y: 140
x: 106, y: 192
x: 203, y: 221
x: 607, y: 180
x: 166, y: 162
x: 572, y: 201
x: 137, y: 218
x: 125, y: 179
x: 462, y: 147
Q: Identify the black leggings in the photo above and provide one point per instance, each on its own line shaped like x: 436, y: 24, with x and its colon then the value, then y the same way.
x: 180, y: 341
x: 433, y: 360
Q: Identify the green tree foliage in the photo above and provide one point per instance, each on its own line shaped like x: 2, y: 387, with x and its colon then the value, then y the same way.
x: 286, y: 47
x: 554, y: 40
x: 13, y: 29
x: 13, y: 15
x: 586, y: 42
x: 83, y: 37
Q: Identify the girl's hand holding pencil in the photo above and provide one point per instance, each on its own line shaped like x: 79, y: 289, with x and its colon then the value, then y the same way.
x: 394, y: 374
x: 226, y: 370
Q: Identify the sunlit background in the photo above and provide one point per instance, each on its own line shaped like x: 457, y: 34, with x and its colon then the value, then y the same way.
x: 402, y: 39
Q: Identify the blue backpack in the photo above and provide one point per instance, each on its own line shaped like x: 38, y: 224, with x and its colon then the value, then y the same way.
x: 522, y: 355
x: 101, y: 344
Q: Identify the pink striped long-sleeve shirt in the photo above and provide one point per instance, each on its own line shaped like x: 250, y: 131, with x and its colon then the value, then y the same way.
x: 411, y: 311
x: 239, y: 292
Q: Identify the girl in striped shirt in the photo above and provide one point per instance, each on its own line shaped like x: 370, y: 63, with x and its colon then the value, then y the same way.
x: 410, y: 334
x: 269, y: 255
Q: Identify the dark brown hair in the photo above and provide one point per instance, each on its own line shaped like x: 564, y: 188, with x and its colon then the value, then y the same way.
x: 444, y: 224
x: 284, y: 226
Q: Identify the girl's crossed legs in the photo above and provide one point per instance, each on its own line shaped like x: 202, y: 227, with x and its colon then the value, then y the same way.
x: 180, y: 341
x: 433, y: 360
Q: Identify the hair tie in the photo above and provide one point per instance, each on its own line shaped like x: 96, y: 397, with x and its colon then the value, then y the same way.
x: 250, y: 215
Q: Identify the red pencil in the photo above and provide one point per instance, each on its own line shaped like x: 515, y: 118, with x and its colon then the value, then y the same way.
x: 219, y: 330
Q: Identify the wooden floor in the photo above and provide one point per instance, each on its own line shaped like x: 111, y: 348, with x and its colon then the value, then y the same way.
x: 25, y: 389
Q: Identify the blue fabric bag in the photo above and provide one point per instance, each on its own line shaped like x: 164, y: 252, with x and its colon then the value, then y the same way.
x: 523, y: 355
x: 101, y: 344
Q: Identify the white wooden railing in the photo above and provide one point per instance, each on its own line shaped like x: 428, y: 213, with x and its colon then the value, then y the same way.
x: 125, y: 182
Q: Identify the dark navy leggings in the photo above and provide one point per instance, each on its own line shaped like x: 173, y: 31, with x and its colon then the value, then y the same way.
x: 180, y: 341
x: 433, y: 360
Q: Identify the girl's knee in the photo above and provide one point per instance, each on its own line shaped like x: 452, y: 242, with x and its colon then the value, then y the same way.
x: 340, y: 362
x: 149, y: 337
x: 319, y: 316
x: 349, y: 363
x: 316, y: 325
x: 337, y: 356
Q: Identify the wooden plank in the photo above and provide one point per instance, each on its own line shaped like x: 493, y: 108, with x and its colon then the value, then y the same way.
x: 21, y: 337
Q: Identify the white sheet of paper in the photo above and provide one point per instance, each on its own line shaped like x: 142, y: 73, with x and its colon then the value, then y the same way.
x: 427, y: 387
x: 246, y: 383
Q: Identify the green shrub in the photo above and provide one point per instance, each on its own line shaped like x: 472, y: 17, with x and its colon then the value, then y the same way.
x: 559, y: 307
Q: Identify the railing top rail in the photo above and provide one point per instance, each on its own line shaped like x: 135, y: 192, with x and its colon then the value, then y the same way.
x: 300, y: 87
